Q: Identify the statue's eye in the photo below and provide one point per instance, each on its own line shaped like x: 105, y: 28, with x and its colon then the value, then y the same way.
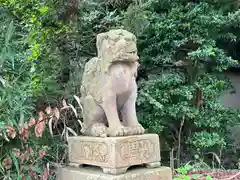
x: 132, y: 52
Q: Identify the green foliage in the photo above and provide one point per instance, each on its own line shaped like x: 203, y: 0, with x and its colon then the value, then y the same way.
x: 25, y: 77
x: 43, y: 44
x: 184, y: 48
x: 15, y: 86
x: 181, y: 63
x: 183, y: 174
x: 182, y: 53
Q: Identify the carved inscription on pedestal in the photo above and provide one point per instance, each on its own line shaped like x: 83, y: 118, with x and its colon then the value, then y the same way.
x: 139, y: 150
x: 90, y: 151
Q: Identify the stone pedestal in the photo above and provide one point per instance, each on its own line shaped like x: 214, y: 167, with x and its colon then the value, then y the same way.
x: 114, y: 158
x: 115, y: 154
x: 92, y: 173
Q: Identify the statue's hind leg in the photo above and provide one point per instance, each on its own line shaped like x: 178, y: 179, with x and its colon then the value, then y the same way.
x: 94, y: 120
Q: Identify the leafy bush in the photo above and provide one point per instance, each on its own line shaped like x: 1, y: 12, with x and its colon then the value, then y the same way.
x: 182, y: 59
x: 183, y: 174
x: 22, y: 83
x: 27, y: 149
x: 46, y: 33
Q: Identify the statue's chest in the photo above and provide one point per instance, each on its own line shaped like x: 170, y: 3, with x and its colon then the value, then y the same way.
x: 122, y: 98
x: 124, y: 86
x: 123, y: 80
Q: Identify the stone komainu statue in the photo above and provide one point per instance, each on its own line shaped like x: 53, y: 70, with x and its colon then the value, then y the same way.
x: 109, y: 89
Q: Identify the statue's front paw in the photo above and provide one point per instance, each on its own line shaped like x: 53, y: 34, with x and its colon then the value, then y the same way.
x: 118, y: 131
x: 137, y: 129
x: 99, y: 130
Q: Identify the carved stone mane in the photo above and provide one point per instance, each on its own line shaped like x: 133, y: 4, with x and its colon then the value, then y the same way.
x: 110, y: 47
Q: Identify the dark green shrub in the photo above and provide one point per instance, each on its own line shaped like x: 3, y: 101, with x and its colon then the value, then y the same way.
x: 182, y: 59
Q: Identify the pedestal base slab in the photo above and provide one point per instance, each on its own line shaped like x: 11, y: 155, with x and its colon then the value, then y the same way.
x: 93, y: 173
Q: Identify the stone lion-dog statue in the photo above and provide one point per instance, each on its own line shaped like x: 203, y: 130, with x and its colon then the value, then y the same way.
x: 109, y: 89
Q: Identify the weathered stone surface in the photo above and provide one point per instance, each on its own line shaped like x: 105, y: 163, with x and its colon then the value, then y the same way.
x: 91, y: 173
x: 115, y: 154
x: 109, y: 89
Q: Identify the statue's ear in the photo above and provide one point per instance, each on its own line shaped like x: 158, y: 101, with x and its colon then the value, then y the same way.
x: 100, y: 39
